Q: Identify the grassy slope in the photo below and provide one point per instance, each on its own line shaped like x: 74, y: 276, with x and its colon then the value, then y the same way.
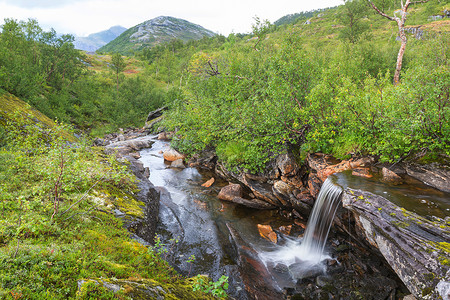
x: 43, y: 257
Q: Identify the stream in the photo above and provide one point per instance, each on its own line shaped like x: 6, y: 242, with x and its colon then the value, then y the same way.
x: 203, y: 235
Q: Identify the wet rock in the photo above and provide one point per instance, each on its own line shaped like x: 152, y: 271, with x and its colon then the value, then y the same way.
x: 314, y: 185
x: 253, y: 203
x: 172, y: 155
x: 179, y: 163
x: 390, y: 177
x: 436, y: 175
x: 286, y: 230
x: 362, y: 172
x: 230, y: 192
x: 258, y: 282
x: 281, y: 268
x: 262, y: 191
x: 303, y: 270
x: 124, y: 148
x: 406, y: 240
x: 209, y: 182
x: 267, y: 232
x: 322, y: 281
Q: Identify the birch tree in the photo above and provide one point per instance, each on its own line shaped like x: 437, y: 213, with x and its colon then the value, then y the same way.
x: 400, y: 18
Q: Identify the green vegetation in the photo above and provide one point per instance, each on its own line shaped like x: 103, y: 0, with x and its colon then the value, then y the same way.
x: 61, y: 82
x: 318, y: 87
x: 323, y: 86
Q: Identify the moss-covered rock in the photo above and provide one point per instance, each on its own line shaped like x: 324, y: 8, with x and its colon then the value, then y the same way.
x: 138, y: 289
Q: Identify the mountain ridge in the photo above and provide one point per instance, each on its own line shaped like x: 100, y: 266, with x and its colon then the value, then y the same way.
x: 156, y: 31
x: 94, y: 41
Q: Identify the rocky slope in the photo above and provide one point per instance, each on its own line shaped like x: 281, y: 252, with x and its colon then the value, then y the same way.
x: 156, y: 31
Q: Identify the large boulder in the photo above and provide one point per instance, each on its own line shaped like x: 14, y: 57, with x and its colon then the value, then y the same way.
x: 417, y: 249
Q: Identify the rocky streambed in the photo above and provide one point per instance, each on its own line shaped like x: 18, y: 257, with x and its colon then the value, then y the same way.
x: 252, y: 233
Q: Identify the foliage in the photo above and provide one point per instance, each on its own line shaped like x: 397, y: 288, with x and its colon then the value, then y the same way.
x: 218, y: 288
x: 43, y: 257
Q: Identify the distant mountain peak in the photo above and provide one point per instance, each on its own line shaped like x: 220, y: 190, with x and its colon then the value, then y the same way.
x: 96, y: 40
x: 155, y: 31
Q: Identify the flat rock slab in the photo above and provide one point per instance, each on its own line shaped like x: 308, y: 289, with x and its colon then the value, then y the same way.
x: 417, y: 249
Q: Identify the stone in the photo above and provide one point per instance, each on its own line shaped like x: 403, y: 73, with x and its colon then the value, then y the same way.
x: 179, y: 163
x: 390, y: 177
x: 230, y: 192
x: 407, y: 241
x: 172, y: 155
x: 409, y: 297
x: 435, y: 175
x: 283, y: 188
x: 253, y: 203
x: 267, y: 232
x: 287, y: 165
x: 285, y: 229
x: 209, y: 182
x: 155, y: 114
x: 314, y: 185
x: 362, y: 172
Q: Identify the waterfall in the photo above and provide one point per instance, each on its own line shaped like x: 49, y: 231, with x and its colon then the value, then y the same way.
x: 320, y: 221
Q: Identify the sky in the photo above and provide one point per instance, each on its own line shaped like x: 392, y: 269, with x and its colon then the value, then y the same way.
x: 83, y: 17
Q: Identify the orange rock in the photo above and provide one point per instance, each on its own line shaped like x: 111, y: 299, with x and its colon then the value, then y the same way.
x: 172, y: 155
x: 267, y: 232
x: 209, y: 182
x: 362, y: 172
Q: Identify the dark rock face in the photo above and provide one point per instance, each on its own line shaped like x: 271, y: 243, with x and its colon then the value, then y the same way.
x: 127, y: 149
x: 416, y: 248
x: 438, y: 176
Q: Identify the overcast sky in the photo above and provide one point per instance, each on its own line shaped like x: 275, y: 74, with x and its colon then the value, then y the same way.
x: 82, y: 17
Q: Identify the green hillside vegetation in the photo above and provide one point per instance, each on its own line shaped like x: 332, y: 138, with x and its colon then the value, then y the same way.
x: 155, y: 32
x: 324, y: 86
x: 320, y: 87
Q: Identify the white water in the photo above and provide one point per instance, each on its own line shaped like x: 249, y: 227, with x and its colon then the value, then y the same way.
x: 319, y: 222
x: 310, y: 250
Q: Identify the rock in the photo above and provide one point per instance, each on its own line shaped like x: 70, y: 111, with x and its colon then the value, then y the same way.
x: 258, y: 282
x: 391, y: 177
x: 362, y: 172
x: 262, y: 191
x: 287, y: 165
x: 283, y: 188
x: 438, y: 176
x: 286, y: 230
x: 230, y: 192
x: 155, y: 114
x: 209, y: 182
x: 303, y: 269
x: 253, y: 203
x: 172, y: 155
x: 179, y: 163
x: 314, y: 185
x: 206, y: 159
x: 267, y: 232
x: 121, y: 138
x: 409, y: 297
x: 443, y: 289
x: 407, y: 241
x: 124, y: 148
x: 165, y: 136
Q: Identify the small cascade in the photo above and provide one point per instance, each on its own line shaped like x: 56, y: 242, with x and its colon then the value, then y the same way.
x: 319, y: 222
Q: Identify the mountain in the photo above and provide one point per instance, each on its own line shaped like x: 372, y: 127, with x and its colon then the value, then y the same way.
x: 155, y: 31
x: 94, y: 41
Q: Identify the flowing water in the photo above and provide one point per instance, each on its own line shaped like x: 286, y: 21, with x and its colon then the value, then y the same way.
x: 194, y: 223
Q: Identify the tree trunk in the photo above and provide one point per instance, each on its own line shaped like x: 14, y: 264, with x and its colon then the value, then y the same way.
x: 398, y: 67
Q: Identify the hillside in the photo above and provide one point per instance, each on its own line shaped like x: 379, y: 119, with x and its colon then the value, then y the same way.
x: 94, y: 41
x: 156, y: 31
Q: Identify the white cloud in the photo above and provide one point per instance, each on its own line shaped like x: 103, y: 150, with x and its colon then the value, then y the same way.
x: 82, y: 17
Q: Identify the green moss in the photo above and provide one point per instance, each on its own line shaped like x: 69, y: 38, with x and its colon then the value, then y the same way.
x: 400, y: 224
x: 124, y: 200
